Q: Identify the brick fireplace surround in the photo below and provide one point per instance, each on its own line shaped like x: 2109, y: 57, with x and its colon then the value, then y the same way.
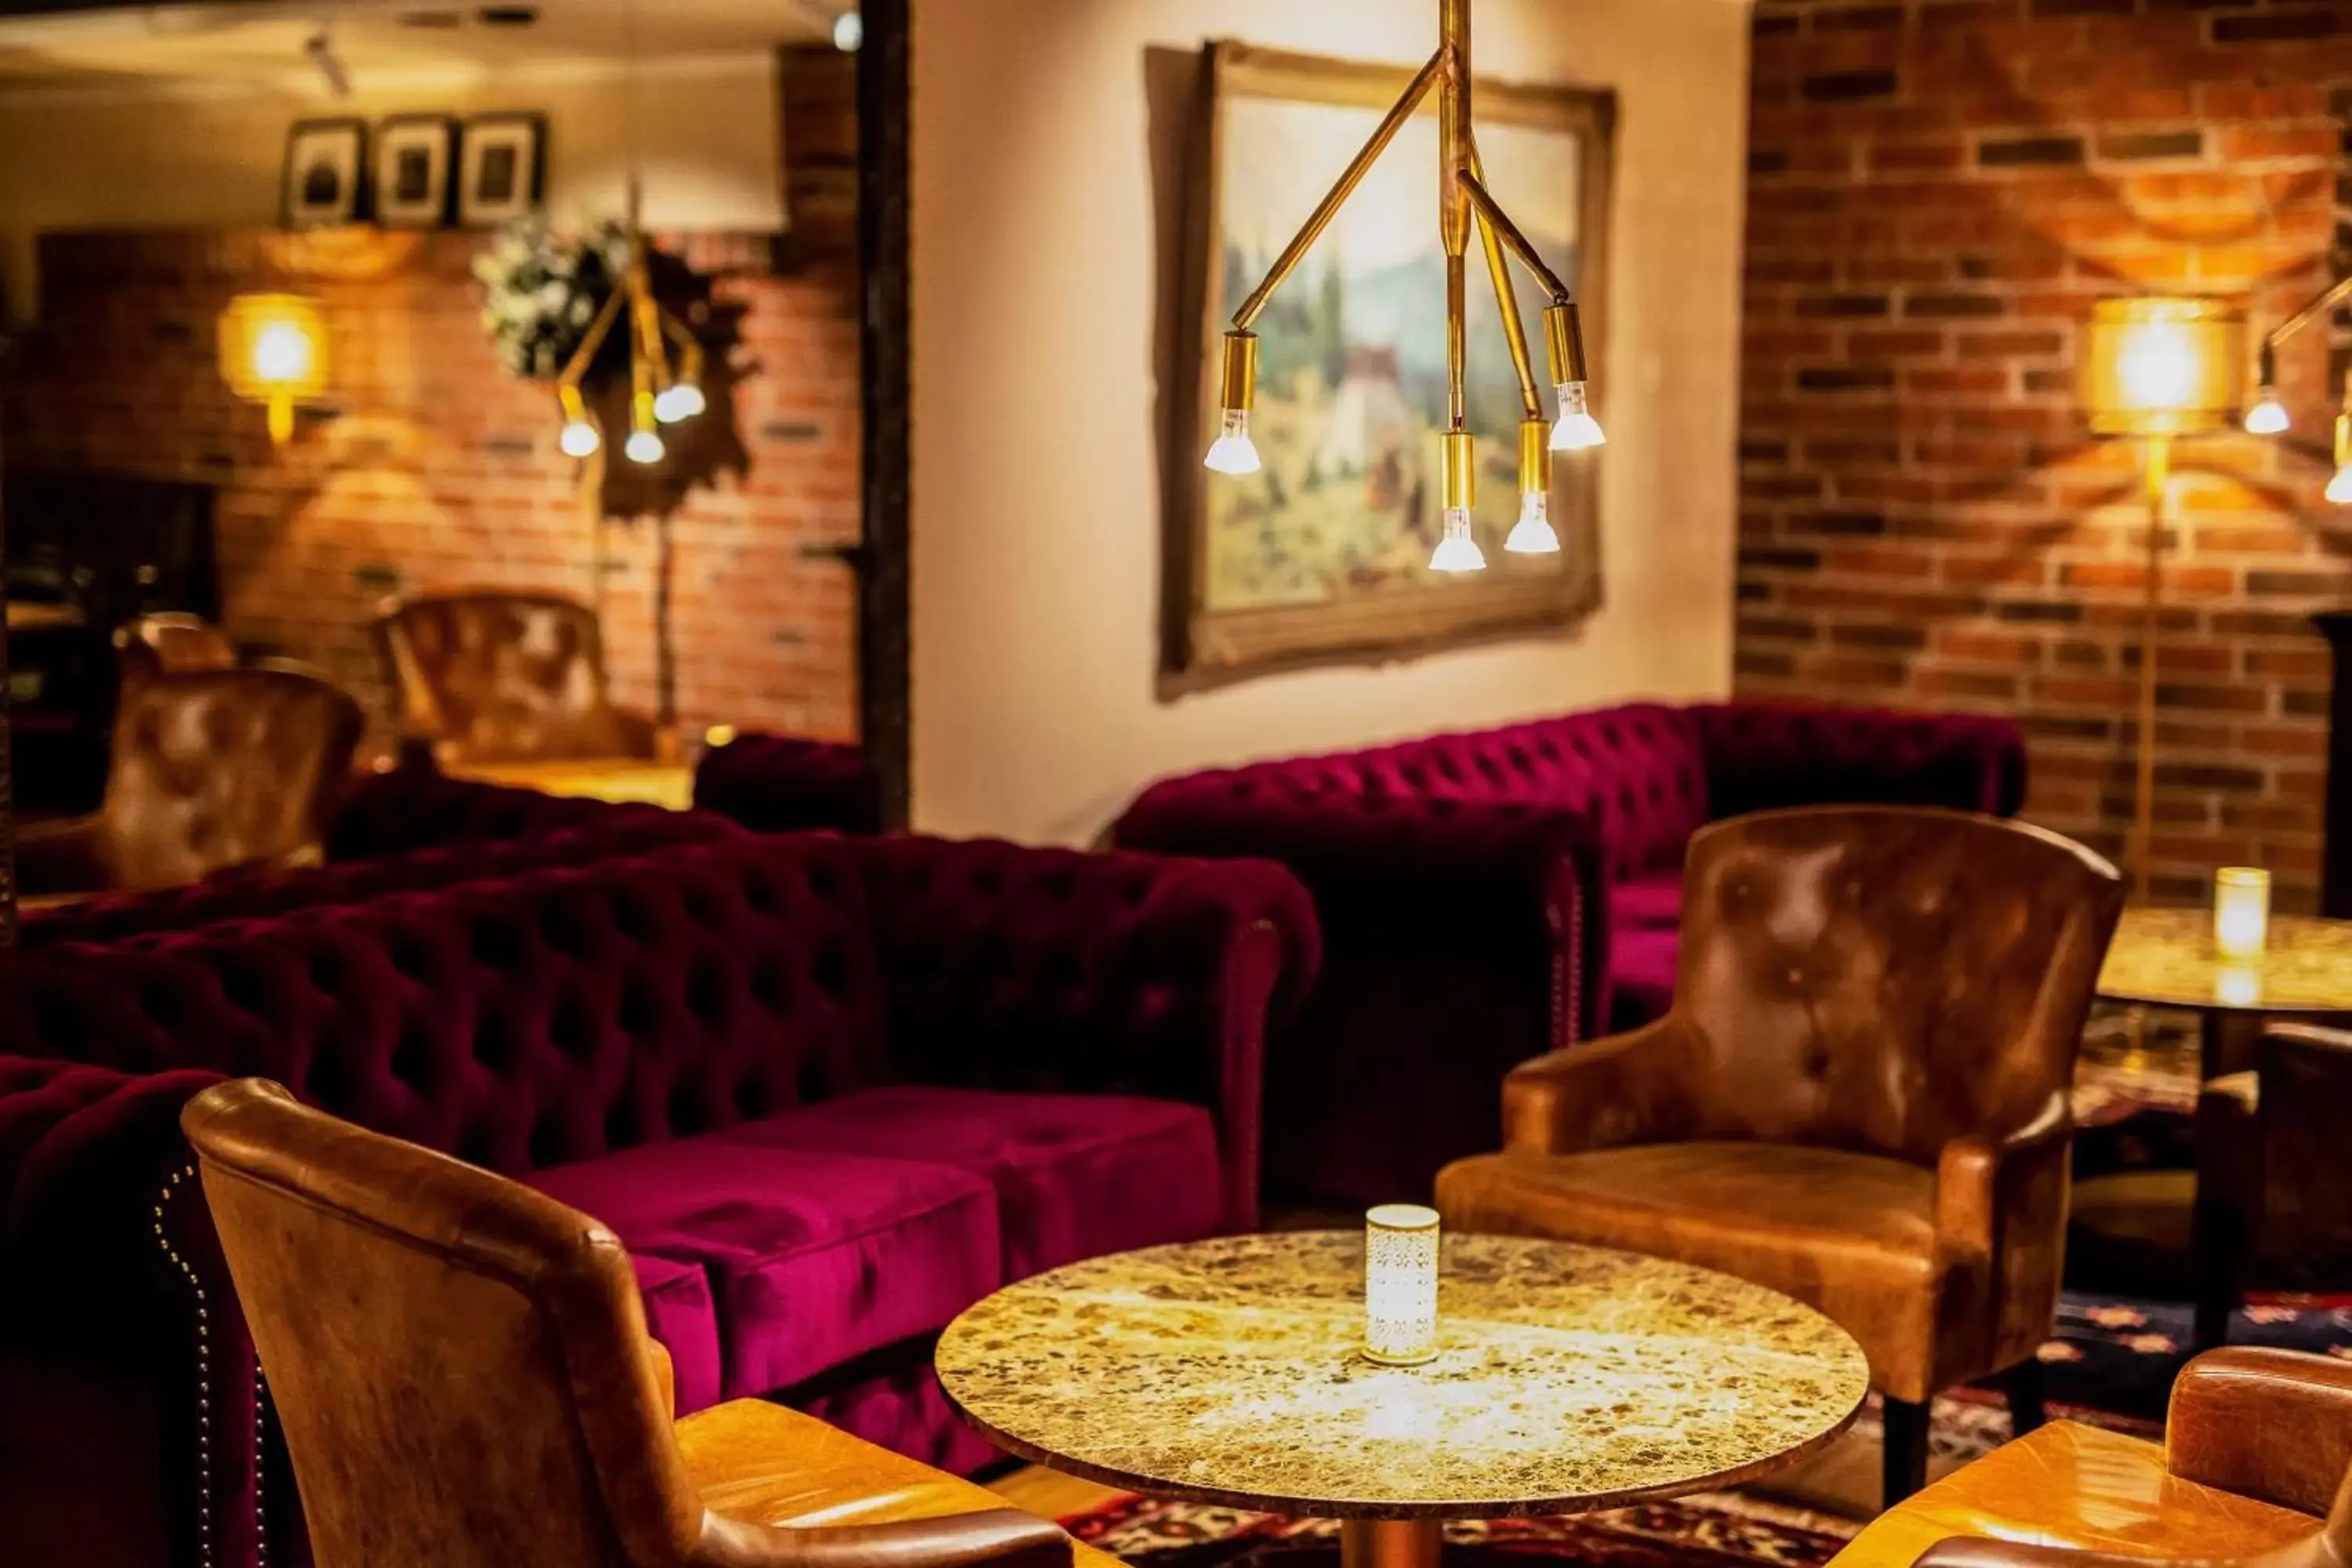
x: 1939, y: 190
x: 434, y: 467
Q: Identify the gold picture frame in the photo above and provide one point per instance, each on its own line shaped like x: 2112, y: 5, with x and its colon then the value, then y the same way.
x: 1295, y: 566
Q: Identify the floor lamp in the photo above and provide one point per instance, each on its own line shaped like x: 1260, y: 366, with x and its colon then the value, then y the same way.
x: 2156, y: 370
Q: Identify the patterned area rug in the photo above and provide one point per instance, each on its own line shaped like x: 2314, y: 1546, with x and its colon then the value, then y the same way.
x: 1713, y: 1530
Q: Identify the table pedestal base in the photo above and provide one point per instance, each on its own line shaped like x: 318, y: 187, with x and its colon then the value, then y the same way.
x: 1389, y: 1543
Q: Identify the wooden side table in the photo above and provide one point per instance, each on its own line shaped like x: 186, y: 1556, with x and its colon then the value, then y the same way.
x: 1568, y: 1379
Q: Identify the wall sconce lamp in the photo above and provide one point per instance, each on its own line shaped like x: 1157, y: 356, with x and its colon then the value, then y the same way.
x: 1464, y: 206
x: 2268, y: 417
x: 273, y: 350
x: 2156, y: 370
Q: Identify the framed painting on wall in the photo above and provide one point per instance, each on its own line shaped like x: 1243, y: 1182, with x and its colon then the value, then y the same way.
x: 413, y: 157
x: 501, y: 169
x: 325, y: 178
x: 1323, y: 553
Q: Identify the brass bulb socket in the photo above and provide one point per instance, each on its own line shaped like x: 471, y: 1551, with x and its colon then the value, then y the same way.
x: 567, y: 398
x: 1534, y: 457
x: 1240, y: 381
x: 641, y: 409
x: 2342, y: 440
x: 1564, y: 343
x: 1457, y: 469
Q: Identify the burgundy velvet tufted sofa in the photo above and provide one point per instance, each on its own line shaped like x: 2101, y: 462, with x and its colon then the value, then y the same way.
x: 396, y: 832
x: 1488, y: 896
x: 782, y: 783
x: 829, y: 1090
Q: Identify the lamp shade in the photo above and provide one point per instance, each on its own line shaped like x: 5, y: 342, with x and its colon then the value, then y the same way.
x: 2162, y: 366
x: 273, y: 350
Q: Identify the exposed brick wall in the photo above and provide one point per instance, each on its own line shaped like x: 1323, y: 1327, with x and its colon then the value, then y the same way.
x: 430, y: 466
x: 1940, y: 191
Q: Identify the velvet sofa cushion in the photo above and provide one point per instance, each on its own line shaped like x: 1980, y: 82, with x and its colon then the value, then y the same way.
x: 1075, y: 1175
x: 814, y: 1259
x: 680, y: 1313
x: 1647, y: 903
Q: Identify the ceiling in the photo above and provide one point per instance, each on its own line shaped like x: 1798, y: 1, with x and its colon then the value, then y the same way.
x: 261, y: 44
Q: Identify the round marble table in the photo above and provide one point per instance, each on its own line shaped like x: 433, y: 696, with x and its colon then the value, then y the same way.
x: 1568, y: 1379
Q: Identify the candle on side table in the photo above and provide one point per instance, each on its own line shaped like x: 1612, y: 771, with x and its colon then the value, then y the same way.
x: 1400, y: 1284
x: 2241, y: 911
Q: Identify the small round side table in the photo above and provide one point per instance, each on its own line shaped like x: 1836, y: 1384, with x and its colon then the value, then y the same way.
x: 1568, y: 1379
x: 2165, y: 958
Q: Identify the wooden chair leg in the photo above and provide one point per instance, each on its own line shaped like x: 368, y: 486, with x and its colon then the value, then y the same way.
x: 2024, y: 1385
x: 1906, y: 1454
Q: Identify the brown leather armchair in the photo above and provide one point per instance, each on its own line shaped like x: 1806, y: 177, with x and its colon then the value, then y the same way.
x: 462, y: 1373
x: 170, y: 643
x: 210, y: 770
x: 2257, y: 1450
x: 1860, y: 1097
x: 501, y: 676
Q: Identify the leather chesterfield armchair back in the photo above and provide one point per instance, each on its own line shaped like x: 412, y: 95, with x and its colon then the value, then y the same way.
x: 170, y: 643
x: 490, y: 676
x: 462, y: 1369
x: 211, y: 769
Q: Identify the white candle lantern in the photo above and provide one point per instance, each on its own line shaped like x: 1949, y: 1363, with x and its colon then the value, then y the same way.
x: 2241, y: 911
x: 1400, y: 1284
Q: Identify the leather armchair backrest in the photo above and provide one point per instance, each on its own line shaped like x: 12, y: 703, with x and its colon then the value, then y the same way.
x: 170, y: 643
x: 1886, y: 978
x: 501, y: 676
x: 223, y: 768
x: 460, y: 1365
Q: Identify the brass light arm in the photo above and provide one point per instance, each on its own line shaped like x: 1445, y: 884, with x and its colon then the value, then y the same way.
x: 577, y: 365
x: 1508, y: 232
x: 1337, y: 197
x: 2334, y: 295
x: 690, y: 348
x: 1507, y: 296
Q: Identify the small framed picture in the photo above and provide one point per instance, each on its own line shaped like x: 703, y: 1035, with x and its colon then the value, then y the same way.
x: 326, y: 172
x: 412, y: 154
x: 500, y: 168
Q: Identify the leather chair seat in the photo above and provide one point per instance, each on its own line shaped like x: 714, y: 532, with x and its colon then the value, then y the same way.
x: 1851, y: 1233
x: 2076, y: 1486
x: 764, y: 1464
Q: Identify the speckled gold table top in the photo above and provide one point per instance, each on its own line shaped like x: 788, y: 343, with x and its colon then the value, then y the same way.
x: 2165, y: 958
x: 1567, y: 1378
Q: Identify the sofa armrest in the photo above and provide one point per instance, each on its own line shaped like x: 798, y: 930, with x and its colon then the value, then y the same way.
x: 67, y: 855
x: 1762, y: 755
x: 2000, y: 1207
x: 1008, y: 967
x: 2268, y: 1424
x: 1517, y: 886
x: 1629, y: 1090
x: 780, y: 783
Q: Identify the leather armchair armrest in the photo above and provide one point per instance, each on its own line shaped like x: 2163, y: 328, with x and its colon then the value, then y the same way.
x: 1627, y: 1089
x: 2000, y: 1207
x: 997, y: 1538
x: 68, y: 856
x: 2268, y: 1424
x: 636, y: 734
x: 1986, y: 1552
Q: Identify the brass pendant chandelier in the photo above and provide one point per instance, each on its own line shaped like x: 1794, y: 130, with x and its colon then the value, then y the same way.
x: 1463, y: 202
x: 658, y: 394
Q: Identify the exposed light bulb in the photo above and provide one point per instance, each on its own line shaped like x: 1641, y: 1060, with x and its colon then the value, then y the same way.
x: 579, y: 439
x: 848, y: 32
x: 1456, y: 551
x: 1532, y: 534
x: 2267, y: 417
x: 679, y: 400
x: 1232, y: 451
x: 281, y: 354
x: 2339, y: 489
x: 1577, y: 429
x: 642, y: 446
